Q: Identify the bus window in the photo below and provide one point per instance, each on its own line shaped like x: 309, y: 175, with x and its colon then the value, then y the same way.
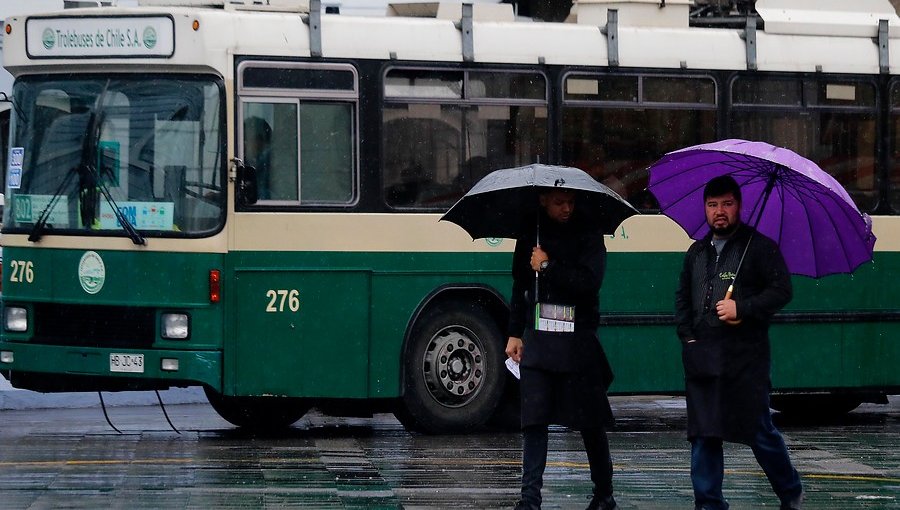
x: 445, y: 130
x: 615, y: 126
x: 270, y: 145
x: 299, y: 132
x: 766, y: 91
x: 424, y: 84
x: 151, y: 142
x: 506, y: 85
x: 894, y: 166
x: 831, y: 122
x: 326, y: 150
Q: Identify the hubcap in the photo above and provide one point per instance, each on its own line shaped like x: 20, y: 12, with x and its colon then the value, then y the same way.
x: 453, y: 366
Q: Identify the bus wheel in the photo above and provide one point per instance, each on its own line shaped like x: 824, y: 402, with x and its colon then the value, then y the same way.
x: 454, y: 373
x: 257, y: 413
x: 815, y: 407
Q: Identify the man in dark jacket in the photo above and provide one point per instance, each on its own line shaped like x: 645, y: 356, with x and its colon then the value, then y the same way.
x: 553, y: 334
x: 725, y: 347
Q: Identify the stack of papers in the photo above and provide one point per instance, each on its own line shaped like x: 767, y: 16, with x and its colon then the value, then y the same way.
x: 513, y: 367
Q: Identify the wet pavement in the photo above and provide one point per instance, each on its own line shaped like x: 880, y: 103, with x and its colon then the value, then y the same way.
x: 71, y: 458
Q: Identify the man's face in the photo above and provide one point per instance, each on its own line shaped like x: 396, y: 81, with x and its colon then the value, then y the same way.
x: 559, y: 204
x: 723, y: 214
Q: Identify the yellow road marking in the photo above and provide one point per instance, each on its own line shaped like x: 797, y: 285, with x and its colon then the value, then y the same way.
x: 442, y: 462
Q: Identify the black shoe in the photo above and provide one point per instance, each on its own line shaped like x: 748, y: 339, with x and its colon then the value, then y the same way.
x: 795, y: 503
x: 524, y: 505
x: 602, y: 503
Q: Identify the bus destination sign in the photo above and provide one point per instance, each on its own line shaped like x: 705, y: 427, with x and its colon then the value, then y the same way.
x: 88, y: 37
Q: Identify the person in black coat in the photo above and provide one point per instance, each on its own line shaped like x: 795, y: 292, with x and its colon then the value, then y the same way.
x: 725, y: 347
x: 553, y: 335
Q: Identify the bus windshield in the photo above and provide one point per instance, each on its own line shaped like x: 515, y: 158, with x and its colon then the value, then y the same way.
x: 150, y: 146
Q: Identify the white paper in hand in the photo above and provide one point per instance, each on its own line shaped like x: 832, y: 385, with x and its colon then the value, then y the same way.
x: 513, y: 366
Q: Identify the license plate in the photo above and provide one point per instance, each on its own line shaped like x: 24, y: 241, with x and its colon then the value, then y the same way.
x: 133, y: 363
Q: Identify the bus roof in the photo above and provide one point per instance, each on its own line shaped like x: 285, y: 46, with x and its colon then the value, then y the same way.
x: 800, y: 39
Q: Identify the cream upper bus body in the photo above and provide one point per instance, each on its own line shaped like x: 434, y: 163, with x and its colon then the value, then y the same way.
x: 206, y: 40
x: 223, y: 32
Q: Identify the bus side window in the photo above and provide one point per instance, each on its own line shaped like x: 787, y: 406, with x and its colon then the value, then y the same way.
x: 615, y: 126
x: 270, y: 147
x: 830, y: 120
x: 258, y: 152
x: 443, y: 130
x: 326, y: 152
x: 299, y: 131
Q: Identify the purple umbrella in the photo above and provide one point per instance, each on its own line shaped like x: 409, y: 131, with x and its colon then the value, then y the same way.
x: 786, y: 196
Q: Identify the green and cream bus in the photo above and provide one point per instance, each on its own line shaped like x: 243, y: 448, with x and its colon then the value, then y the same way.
x: 246, y: 197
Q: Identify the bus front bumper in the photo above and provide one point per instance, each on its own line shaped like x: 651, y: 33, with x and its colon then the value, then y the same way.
x: 50, y: 368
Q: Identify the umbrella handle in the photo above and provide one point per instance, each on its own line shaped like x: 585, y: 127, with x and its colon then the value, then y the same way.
x: 733, y: 322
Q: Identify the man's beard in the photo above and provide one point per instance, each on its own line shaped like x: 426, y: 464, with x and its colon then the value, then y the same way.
x: 724, y: 231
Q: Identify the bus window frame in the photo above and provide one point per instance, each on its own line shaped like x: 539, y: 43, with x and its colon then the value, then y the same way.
x: 463, y: 102
x: 282, y: 95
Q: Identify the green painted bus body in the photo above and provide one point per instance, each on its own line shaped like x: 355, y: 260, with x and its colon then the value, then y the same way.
x: 154, y: 280
x: 345, y: 338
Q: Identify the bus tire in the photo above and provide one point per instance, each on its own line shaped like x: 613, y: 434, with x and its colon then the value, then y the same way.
x: 508, y: 416
x: 257, y: 413
x: 454, y: 375
x: 816, y: 406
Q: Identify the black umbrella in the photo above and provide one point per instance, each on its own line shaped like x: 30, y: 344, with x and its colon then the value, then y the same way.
x: 505, y: 202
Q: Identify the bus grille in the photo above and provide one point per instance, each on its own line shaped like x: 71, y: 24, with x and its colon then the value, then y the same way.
x: 94, y: 326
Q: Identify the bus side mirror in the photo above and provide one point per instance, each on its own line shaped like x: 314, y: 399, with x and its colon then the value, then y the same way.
x: 247, y: 189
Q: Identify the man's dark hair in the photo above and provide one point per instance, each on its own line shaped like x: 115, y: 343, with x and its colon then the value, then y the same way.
x: 722, y: 185
x: 258, y: 128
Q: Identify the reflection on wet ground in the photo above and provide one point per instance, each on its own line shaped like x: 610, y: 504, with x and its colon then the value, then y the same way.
x: 72, y: 459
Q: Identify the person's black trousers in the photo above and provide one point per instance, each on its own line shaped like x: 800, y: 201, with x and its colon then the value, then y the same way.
x: 534, y: 461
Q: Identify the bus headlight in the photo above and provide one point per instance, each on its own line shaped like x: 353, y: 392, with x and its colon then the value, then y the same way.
x: 16, y: 319
x: 175, y: 326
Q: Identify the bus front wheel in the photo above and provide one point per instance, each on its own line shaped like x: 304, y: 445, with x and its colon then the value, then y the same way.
x: 257, y: 413
x: 454, y: 373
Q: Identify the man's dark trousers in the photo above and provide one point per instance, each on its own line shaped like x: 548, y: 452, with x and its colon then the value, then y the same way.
x: 534, y: 461
x: 708, y: 467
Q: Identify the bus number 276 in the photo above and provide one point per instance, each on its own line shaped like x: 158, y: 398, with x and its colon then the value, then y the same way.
x: 22, y: 271
x: 281, y: 297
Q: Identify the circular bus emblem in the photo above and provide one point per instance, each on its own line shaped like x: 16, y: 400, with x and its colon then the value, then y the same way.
x: 493, y: 241
x: 48, y: 38
x: 91, y: 272
x: 149, y: 37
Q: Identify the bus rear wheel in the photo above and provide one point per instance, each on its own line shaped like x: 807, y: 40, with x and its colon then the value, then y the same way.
x: 454, y: 375
x: 815, y: 406
x: 257, y: 413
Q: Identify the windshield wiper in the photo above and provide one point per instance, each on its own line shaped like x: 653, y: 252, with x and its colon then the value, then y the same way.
x: 89, y: 181
x: 132, y: 232
x: 38, y: 230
